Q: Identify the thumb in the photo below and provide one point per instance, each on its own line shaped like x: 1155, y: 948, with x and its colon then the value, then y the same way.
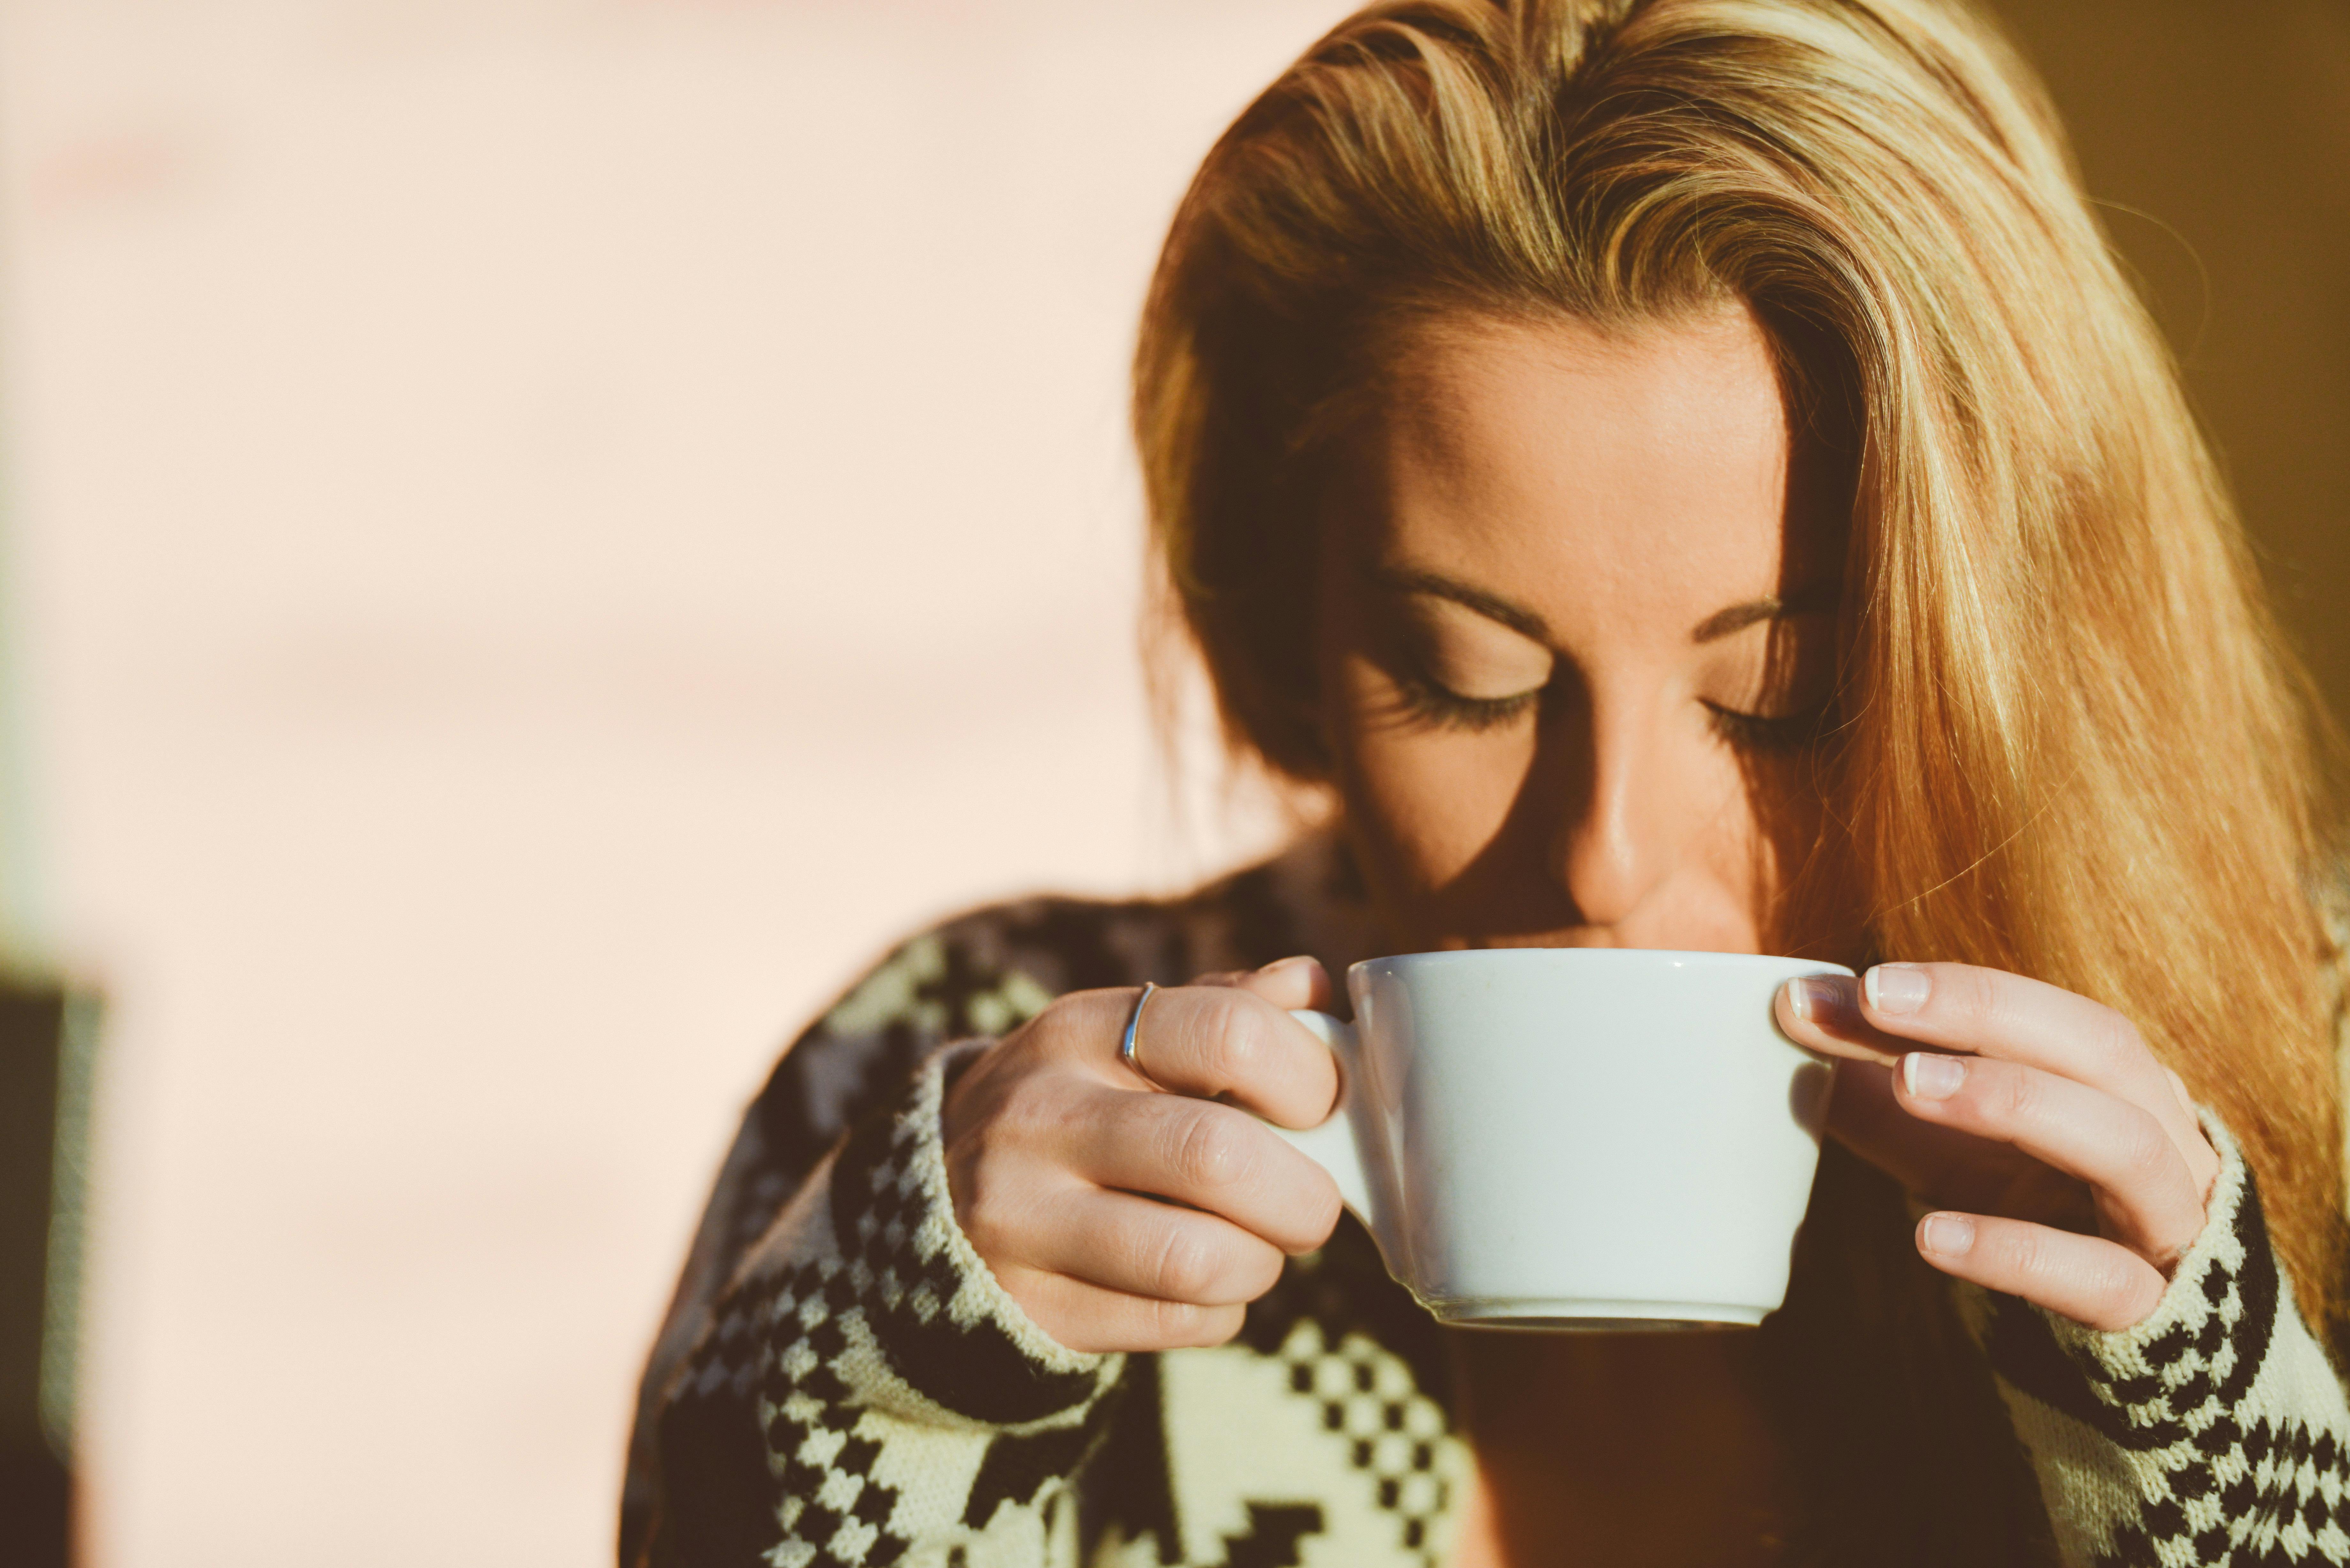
x: 1288, y: 983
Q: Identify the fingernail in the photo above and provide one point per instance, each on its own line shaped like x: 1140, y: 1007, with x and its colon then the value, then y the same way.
x: 1278, y: 965
x: 1819, y: 998
x: 1927, y: 1075
x: 1950, y: 1235
x: 1896, y: 987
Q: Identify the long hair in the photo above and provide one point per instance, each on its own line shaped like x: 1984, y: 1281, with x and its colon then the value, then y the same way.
x: 2068, y: 740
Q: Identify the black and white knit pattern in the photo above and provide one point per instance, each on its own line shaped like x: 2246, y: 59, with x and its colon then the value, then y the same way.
x: 1343, y: 1457
x: 2212, y: 1433
x: 1393, y: 1432
x: 842, y: 1381
x: 896, y: 1395
x: 832, y: 1508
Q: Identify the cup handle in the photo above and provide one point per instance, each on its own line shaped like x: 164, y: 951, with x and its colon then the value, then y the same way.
x: 1332, y: 1145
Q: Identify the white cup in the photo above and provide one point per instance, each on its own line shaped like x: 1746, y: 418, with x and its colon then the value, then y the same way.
x: 1575, y: 1137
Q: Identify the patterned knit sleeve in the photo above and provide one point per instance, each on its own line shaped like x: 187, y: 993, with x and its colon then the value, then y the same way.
x: 869, y: 1394
x: 2214, y: 1432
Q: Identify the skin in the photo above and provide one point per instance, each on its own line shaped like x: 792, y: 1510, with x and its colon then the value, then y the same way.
x: 1575, y: 631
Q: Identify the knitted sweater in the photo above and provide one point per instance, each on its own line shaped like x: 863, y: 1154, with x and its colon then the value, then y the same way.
x: 841, y: 1380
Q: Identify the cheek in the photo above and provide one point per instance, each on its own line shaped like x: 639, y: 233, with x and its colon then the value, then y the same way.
x: 1801, y: 882
x: 1426, y: 799
x: 1744, y: 824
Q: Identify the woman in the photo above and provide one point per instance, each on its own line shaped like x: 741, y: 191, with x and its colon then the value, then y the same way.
x: 1679, y: 474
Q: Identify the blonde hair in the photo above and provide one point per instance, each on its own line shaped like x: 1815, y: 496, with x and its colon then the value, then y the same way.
x: 2069, y: 742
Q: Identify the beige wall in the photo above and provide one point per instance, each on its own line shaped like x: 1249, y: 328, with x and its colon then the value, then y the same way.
x: 545, y: 530
x: 546, y: 533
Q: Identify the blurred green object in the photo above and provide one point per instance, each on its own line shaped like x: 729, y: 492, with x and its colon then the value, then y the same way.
x: 46, y: 1035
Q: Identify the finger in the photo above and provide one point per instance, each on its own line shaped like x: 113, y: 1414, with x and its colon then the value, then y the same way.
x: 1987, y: 1012
x: 1208, y: 1041
x: 1864, y: 1116
x: 1990, y: 1012
x: 2178, y: 1092
x: 1213, y: 1158
x: 2146, y: 1197
x: 1088, y: 1319
x: 1945, y: 1167
x: 2094, y: 1283
x: 1287, y: 983
x: 1822, y: 1012
x: 1133, y: 1246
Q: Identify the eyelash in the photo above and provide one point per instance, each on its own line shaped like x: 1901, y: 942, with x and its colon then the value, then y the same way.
x: 1769, y: 735
x: 1424, y: 699
x: 1747, y: 731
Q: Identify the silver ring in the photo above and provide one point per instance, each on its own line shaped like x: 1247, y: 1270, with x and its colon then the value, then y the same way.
x: 1128, y: 1045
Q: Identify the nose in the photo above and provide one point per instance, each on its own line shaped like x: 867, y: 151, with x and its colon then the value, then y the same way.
x: 1614, y: 843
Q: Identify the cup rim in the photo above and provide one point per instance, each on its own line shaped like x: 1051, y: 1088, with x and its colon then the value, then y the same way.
x: 1674, y: 958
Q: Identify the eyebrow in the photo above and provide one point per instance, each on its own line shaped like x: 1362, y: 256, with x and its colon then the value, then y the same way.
x: 1810, y: 599
x: 1813, y: 598
x: 1523, y: 621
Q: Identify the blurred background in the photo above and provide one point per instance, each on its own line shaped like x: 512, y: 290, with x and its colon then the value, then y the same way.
x: 541, y: 535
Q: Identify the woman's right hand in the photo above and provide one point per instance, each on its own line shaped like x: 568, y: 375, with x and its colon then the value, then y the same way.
x: 1124, y: 1216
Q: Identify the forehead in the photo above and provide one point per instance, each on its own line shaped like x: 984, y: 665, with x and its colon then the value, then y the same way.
x: 1604, y: 479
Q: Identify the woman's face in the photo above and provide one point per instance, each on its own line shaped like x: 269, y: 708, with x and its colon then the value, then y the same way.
x: 1575, y: 639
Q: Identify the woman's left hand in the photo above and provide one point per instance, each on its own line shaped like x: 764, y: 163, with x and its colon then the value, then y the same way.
x: 2064, y: 1162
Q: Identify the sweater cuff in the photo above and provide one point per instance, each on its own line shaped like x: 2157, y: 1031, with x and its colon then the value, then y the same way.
x: 2213, y: 1425
x: 937, y: 1315
x: 2168, y: 1378
x: 865, y: 1384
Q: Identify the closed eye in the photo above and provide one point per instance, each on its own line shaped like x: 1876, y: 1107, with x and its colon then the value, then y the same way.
x: 1766, y: 732
x: 1426, y: 700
